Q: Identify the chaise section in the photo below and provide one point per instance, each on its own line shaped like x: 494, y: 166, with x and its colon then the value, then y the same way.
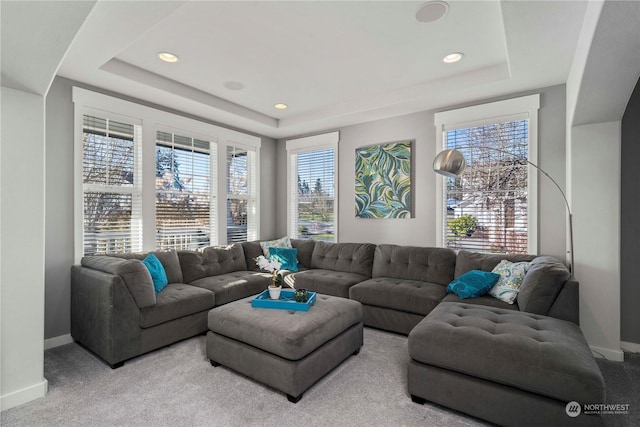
x: 505, y: 366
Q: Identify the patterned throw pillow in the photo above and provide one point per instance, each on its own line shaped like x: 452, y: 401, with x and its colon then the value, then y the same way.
x: 283, y: 242
x: 473, y: 284
x: 511, y: 278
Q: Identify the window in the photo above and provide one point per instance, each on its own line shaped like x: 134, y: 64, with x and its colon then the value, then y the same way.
x: 147, y: 179
x: 183, y: 192
x: 241, y: 194
x: 312, y: 201
x: 491, y: 206
x: 111, y: 188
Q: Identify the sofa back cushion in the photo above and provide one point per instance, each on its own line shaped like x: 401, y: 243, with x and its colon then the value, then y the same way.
x: 435, y: 265
x: 212, y: 261
x: 354, y: 258
x: 542, y: 284
x: 168, y: 259
x: 252, y: 250
x: 133, y: 272
x: 305, y: 250
x: 467, y: 261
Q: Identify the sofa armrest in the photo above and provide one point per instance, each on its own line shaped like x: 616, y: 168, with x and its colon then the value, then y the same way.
x: 133, y: 272
x: 104, y: 315
x: 567, y: 304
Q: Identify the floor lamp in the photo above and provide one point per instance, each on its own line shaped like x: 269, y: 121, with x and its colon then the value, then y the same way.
x: 451, y: 163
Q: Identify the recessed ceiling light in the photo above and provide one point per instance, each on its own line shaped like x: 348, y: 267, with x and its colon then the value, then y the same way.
x: 281, y: 106
x: 432, y: 11
x: 168, y: 57
x: 234, y: 85
x: 453, y: 57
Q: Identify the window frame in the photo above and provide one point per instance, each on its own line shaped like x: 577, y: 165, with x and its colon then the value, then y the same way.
x: 303, y: 145
x: 152, y: 120
x: 525, y: 107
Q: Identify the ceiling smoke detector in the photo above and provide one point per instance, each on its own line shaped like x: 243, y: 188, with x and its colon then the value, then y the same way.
x: 432, y: 11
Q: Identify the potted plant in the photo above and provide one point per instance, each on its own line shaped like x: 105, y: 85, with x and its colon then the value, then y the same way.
x: 272, y: 266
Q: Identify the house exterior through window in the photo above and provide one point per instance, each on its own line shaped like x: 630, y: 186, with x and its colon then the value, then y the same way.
x: 312, y: 184
x: 491, y: 207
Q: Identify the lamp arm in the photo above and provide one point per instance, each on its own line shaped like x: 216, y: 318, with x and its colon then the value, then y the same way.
x: 564, y: 197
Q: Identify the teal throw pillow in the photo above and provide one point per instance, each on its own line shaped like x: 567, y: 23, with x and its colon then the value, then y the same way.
x: 288, y: 257
x: 473, y: 284
x: 156, y: 269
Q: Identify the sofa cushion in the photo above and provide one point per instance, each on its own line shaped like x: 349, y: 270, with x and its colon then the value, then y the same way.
x: 305, y: 251
x: 328, y: 282
x: 473, y: 284
x: 510, y: 281
x: 171, y: 264
x: 252, y: 250
x: 542, y: 284
x: 534, y: 353
x: 356, y: 258
x: 287, y: 257
x: 133, y: 273
x: 234, y: 286
x: 212, y: 261
x: 435, y: 265
x: 410, y: 296
x: 467, y: 261
x: 156, y: 269
x: 177, y: 300
x: 283, y: 242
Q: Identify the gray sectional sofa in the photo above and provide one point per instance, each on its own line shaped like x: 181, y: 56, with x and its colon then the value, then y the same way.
x: 116, y: 314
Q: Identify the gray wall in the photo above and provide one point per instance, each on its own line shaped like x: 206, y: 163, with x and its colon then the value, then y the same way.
x: 421, y: 229
x: 629, y: 224
x: 59, y: 198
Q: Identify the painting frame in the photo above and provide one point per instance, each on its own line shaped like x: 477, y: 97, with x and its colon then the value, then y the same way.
x: 383, y: 180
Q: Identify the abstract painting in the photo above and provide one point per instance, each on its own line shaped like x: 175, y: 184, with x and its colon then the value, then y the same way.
x: 383, y: 180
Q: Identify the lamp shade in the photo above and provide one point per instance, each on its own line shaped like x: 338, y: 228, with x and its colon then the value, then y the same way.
x: 449, y: 163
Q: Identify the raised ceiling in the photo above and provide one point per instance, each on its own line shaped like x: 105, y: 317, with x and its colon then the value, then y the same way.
x: 332, y: 63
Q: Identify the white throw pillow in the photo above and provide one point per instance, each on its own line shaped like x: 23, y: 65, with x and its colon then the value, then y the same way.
x: 511, y: 277
x: 283, y: 242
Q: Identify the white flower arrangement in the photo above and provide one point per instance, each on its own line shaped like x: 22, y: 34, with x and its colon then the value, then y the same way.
x: 272, y: 266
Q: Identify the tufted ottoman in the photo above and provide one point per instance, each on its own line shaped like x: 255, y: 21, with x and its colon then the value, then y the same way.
x: 504, y: 366
x: 286, y: 350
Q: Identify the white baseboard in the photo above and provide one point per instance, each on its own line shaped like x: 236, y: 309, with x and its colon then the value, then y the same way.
x: 607, y: 353
x: 631, y: 347
x: 24, y: 395
x: 57, y: 341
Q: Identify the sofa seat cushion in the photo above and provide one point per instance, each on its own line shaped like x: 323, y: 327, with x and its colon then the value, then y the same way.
x: 336, y: 283
x: 176, y: 300
x: 234, y: 286
x: 487, y: 300
x: 530, y: 352
x: 411, y: 296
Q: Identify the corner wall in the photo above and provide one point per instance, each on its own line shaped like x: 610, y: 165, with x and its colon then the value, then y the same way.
x: 22, y: 211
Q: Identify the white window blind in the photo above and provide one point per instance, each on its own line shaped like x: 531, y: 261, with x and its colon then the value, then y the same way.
x: 241, y: 194
x: 183, y: 192
x: 312, y: 188
x: 487, y: 206
x: 111, y: 185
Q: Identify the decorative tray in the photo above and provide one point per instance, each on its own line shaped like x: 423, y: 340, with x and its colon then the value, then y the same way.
x: 285, y: 302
